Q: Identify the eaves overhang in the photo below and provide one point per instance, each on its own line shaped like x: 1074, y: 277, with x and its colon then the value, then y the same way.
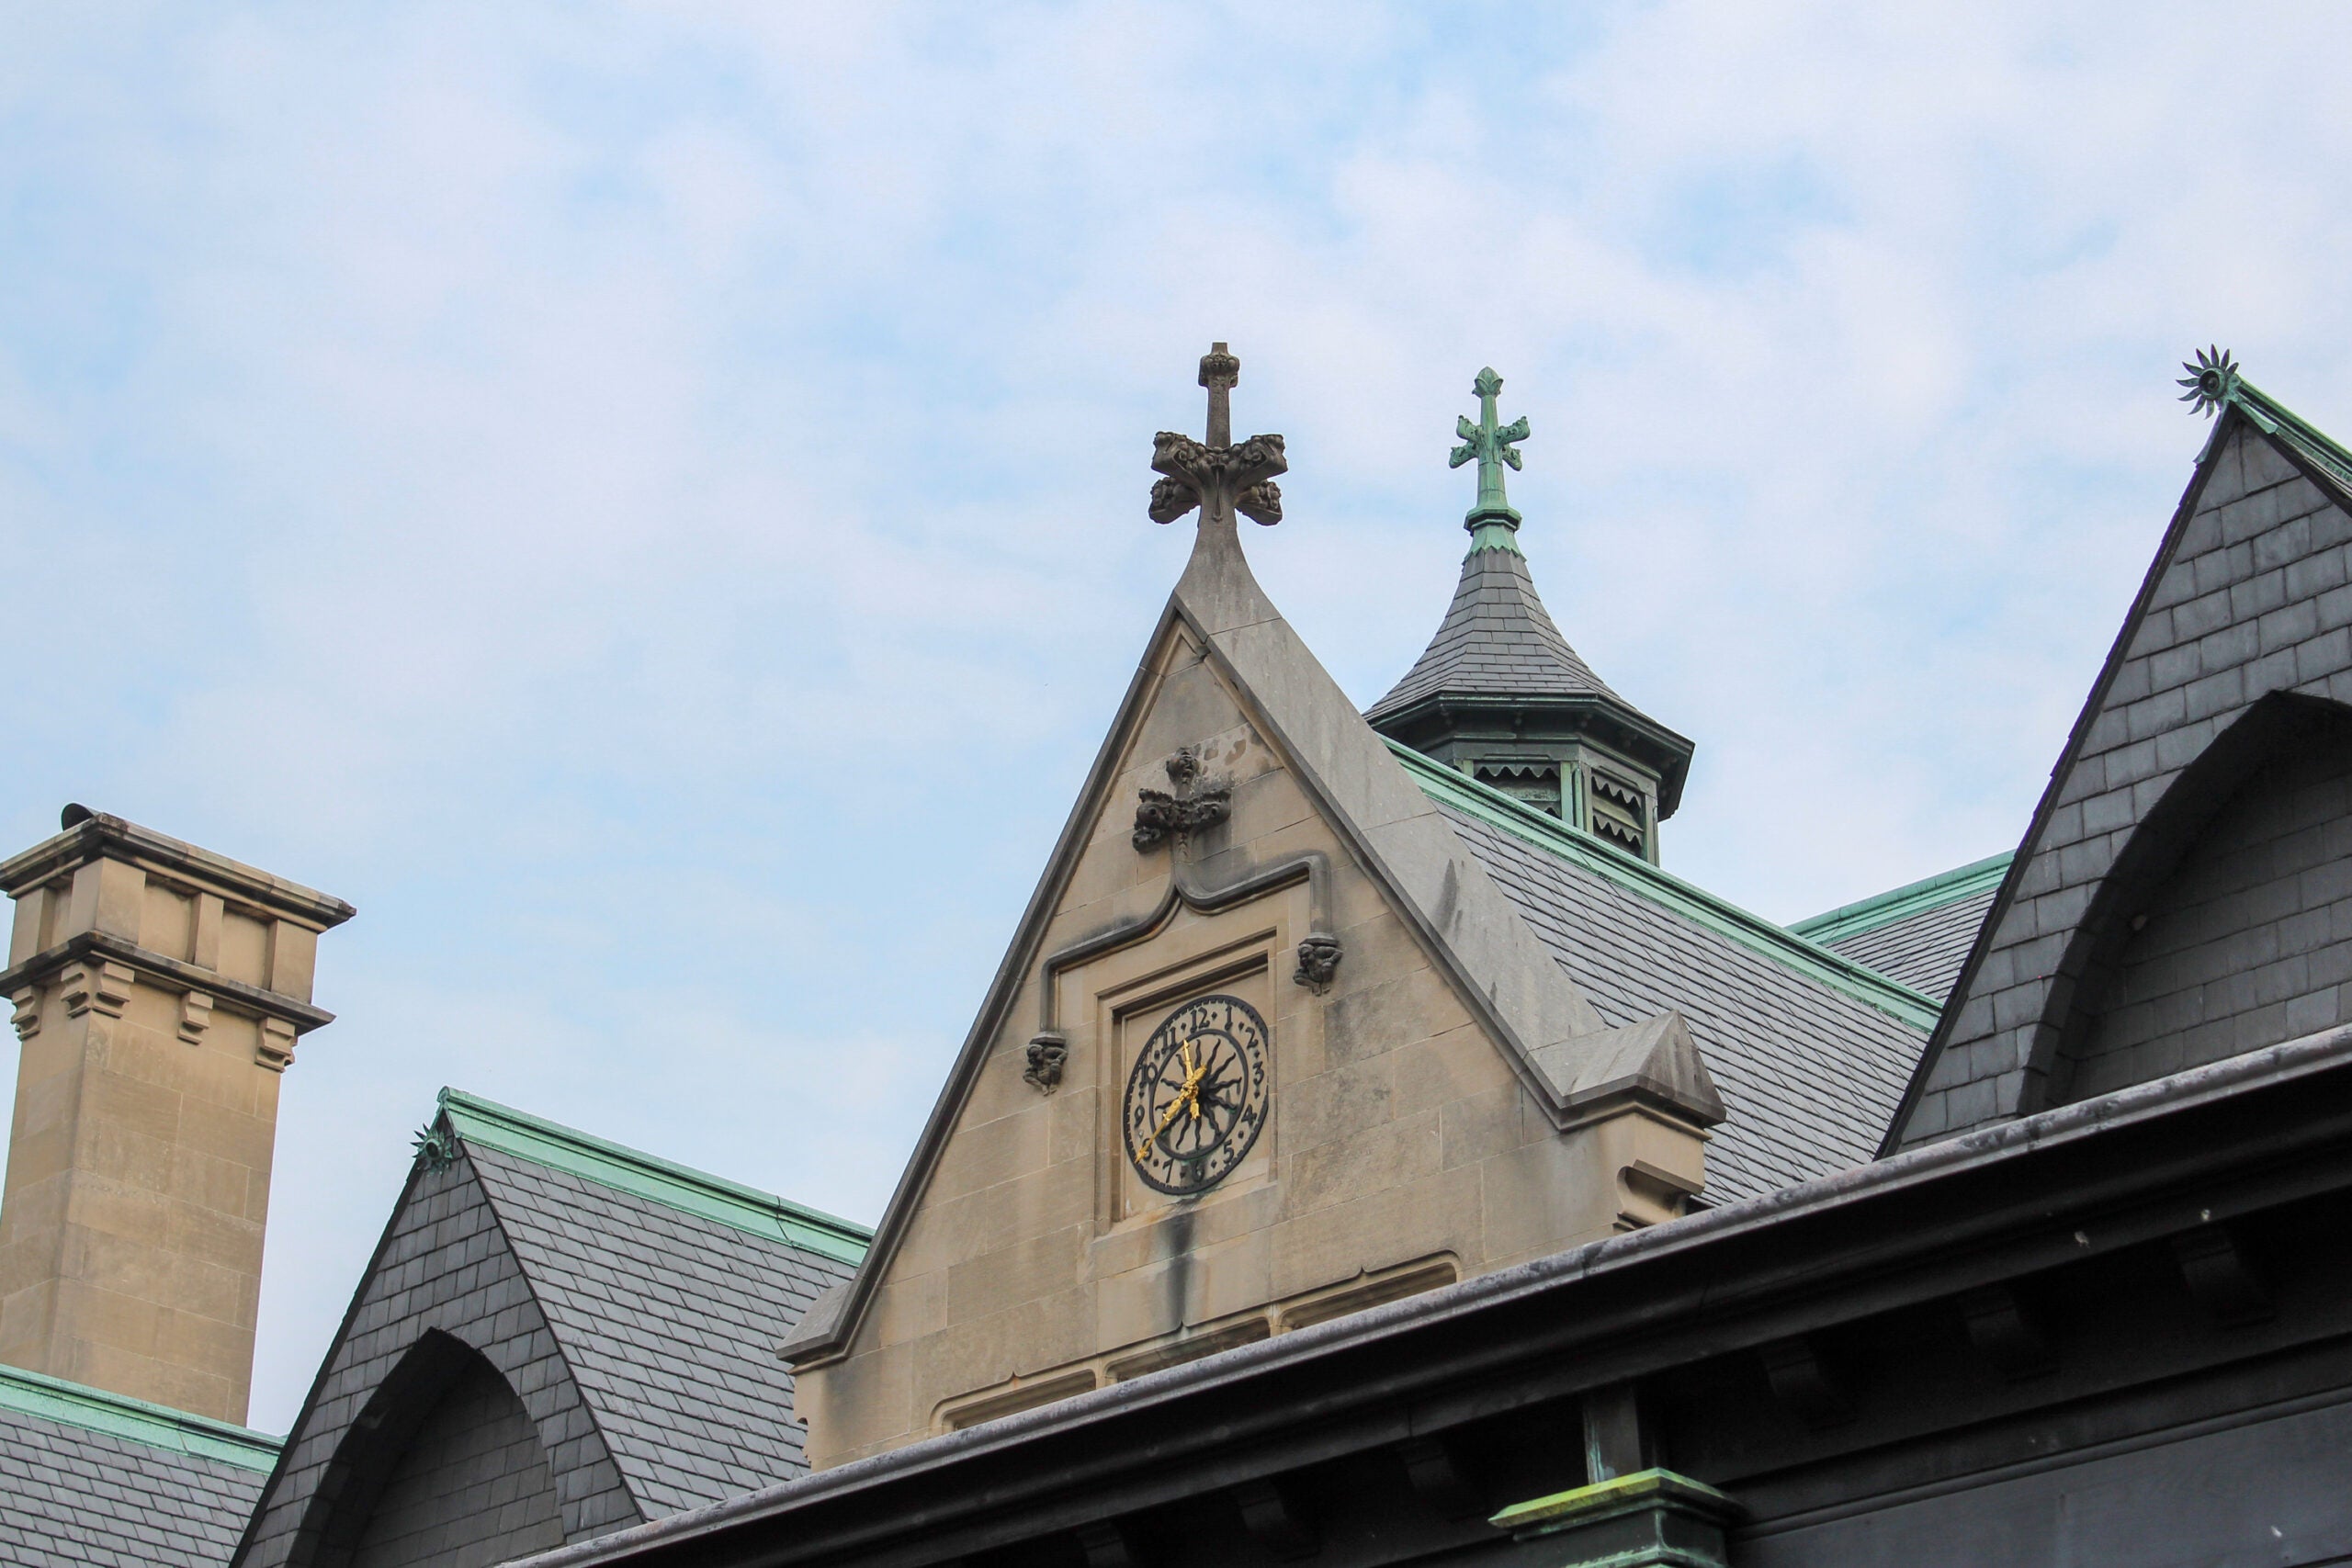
x: 2092, y: 1178
x: 1606, y: 719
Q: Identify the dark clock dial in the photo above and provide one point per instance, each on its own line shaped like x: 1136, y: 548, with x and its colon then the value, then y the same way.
x: 1196, y: 1098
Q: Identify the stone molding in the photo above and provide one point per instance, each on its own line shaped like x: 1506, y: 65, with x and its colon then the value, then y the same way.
x: 116, y: 963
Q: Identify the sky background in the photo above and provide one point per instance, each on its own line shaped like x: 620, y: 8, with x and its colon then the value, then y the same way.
x: 648, y: 502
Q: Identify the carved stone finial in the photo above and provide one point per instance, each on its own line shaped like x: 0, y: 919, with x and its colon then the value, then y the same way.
x: 1217, y: 476
x: 1491, y: 521
x: 2212, y: 380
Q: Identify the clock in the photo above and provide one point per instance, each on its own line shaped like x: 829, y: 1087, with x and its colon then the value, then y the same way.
x: 1196, y: 1098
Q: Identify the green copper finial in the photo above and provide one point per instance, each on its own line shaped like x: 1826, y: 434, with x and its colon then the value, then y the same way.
x: 1491, y: 521
x: 2212, y: 380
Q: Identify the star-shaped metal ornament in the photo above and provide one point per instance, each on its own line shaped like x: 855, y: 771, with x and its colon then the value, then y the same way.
x: 2212, y: 380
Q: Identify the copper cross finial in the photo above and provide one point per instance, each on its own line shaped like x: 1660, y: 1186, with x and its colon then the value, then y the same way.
x: 1217, y: 477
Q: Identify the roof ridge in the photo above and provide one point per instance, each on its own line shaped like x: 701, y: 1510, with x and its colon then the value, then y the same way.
x: 1718, y: 914
x: 119, y: 1415
x: 2274, y: 418
x: 633, y: 1171
x: 1913, y: 897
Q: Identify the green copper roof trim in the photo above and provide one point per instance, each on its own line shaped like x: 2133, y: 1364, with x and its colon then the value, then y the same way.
x: 119, y: 1416
x: 1901, y: 903
x: 1494, y: 537
x: 746, y: 1209
x: 1694, y: 903
x: 2214, y: 383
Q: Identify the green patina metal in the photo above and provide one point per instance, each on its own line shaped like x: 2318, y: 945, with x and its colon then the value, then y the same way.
x: 1583, y: 849
x: 1491, y: 521
x: 1901, y: 903
x: 2215, y: 382
x: 436, y: 1146
x: 96, y: 1410
x: 557, y: 1147
x: 1651, y: 1518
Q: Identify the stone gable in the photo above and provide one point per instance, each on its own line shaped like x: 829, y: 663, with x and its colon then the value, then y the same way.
x: 1402, y: 1147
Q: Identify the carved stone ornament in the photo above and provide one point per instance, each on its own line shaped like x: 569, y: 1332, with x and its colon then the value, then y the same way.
x: 1195, y: 803
x: 1217, y: 476
x: 1318, y: 961
x: 1046, y: 1053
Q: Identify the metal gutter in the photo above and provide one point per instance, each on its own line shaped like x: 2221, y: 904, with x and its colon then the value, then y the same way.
x: 2048, y: 1131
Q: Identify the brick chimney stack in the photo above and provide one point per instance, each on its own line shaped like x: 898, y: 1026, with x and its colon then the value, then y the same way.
x: 159, y: 989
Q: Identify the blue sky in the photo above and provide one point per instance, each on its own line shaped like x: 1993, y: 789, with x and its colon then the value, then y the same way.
x: 647, y: 502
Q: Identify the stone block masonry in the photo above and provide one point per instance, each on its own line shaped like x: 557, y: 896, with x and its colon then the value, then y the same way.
x: 159, y: 990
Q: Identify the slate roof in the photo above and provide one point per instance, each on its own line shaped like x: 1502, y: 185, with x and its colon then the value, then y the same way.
x: 2244, y: 604
x: 668, y: 1291
x: 1496, y: 640
x: 1810, y: 1050
x: 92, y: 1477
x: 1918, y: 933
x: 635, y: 1306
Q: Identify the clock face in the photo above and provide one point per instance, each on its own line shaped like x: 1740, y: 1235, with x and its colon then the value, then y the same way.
x: 1198, y: 1097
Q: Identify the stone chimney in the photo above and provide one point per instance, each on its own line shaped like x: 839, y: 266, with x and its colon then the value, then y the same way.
x: 159, y: 990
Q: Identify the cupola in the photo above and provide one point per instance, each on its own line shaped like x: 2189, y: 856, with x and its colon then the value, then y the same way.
x: 1500, y: 695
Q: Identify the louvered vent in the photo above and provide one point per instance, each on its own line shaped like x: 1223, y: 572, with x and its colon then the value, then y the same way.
x: 1537, y: 784
x: 1617, y: 812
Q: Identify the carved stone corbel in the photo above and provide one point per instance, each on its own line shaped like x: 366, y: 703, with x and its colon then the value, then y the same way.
x: 2216, y: 1271
x: 1438, y: 1478
x: 273, y: 1048
x: 95, y: 986
x: 196, y: 1016
x: 2005, y: 1333
x: 27, y: 1019
x: 1273, y: 1517
x: 1803, y: 1383
x: 1048, y: 1052
x: 1318, y: 962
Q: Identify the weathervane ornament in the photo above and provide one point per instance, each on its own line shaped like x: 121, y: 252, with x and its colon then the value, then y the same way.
x: 2212, y: 380
x: 1216, y: 476
x: 1493, y: 444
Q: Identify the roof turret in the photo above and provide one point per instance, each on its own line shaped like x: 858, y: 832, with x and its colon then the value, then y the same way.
x: 1499, y: 693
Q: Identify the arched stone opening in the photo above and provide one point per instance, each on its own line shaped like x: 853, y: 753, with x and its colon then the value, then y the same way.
x: 443, y: 1466
x: 2225, y: 924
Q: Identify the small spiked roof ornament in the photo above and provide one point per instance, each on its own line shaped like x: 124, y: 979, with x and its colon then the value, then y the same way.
x: 1491, y: 521
x: 2212, y: 380
x: 1217, y: 476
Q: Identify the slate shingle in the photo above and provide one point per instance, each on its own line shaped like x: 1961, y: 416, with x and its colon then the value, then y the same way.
x: 1496, y: 638
x: 70, y: 1496
x: 1923, y: 949
x: 1809, y: 1073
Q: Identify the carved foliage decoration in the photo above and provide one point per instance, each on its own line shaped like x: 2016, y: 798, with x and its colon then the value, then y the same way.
x: 1193, y: 803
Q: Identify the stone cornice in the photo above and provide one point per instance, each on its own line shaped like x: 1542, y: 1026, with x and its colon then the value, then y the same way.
x: 173, y: 973
x: 96, y: 833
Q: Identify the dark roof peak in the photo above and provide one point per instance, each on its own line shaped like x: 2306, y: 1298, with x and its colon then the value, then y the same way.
x: 1497, y: 641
